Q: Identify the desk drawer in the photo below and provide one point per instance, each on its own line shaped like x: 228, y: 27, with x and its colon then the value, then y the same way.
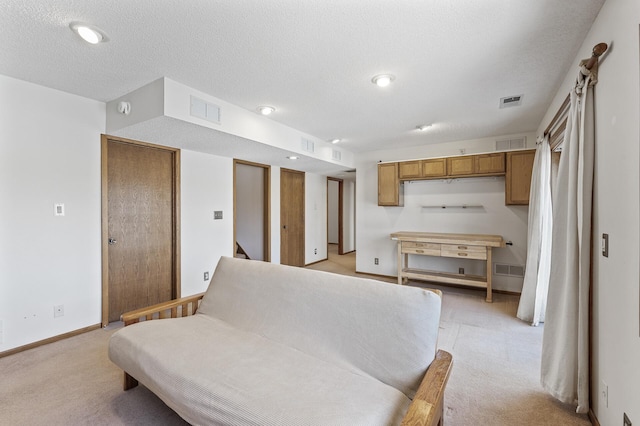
x: 428, y: 249
x: 464, y: 251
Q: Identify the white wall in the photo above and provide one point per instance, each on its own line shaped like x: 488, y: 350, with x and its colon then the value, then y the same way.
x: 49, y: 153
x: 206, y: 185
x: 247, y: 124
x: 616, y: 298
x: 375, y: 223
x: 315, y: 222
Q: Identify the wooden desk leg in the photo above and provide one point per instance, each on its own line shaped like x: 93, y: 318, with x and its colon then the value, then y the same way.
x: 405, y: 280
x: 489, y: 273
x: 399, y: 262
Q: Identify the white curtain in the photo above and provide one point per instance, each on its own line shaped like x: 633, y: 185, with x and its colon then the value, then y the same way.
x: 565, y: 344
x: 533, y: 300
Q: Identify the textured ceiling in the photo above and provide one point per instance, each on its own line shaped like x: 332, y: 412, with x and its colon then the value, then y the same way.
x: 314, y: 59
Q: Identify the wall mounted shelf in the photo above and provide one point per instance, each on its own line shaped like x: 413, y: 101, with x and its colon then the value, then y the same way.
x: 454, y: 206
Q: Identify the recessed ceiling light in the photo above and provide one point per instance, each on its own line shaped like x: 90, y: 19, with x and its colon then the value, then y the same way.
x: 383, y: 80
x: 265, y: 109
x: 292, y: 157
x: 423, y: 127
x: 336, y: 140
x: 89, y: 33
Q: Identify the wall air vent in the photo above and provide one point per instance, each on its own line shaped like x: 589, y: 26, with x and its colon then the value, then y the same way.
x: 336, y: 155
x: 511, y: 101
x: 205, y: 110
x: 307, y: 145
x: 511, y: 144
x: 509, y: 270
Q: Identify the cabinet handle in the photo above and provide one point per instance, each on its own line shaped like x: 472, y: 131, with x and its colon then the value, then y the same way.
x: 462, y: 254
x: 462, y: 247
x: 419, y: 251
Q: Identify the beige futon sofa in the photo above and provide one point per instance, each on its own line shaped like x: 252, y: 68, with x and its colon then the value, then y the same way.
x: 275, y: 345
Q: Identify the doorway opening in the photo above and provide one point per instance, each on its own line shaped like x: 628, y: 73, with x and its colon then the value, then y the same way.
x: 341, y: 216
x: 335, y: 217
x: 251, y: 210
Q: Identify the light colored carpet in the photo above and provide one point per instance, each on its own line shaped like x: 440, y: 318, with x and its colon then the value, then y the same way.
x: 494, y: 379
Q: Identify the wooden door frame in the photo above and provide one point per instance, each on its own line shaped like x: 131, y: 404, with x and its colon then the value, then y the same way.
x: 304, y: 233
x: 340, y: 213
x: 104, y: 139
x: 267, y: 206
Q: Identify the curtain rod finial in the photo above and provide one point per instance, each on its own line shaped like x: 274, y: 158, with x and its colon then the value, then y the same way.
x: 599, y: 49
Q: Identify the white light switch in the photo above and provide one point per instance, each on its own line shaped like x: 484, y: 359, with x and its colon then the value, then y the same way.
x: 58, y: 209
x: 605, y: 245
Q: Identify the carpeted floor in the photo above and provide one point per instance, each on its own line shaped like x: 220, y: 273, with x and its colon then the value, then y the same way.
x: 494, y: 379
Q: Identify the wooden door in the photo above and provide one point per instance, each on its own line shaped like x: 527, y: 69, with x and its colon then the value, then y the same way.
x: 140, y: 232
x: 291, y: 217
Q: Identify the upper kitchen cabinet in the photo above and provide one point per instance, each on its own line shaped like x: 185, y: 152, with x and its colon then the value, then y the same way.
x: 518, y: 177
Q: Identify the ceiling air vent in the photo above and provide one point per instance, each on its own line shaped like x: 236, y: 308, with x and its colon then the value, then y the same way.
x: 511, y: 144
x: 205, y: 110
x: 307, y: 145
x: 511, y: 101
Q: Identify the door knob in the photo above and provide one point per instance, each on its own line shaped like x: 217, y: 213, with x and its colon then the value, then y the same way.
x: 112, y: 241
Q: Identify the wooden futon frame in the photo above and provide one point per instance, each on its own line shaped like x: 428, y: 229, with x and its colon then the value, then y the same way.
x: 425, y: 410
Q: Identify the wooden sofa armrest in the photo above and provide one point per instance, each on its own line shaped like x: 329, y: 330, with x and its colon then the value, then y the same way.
x: 427, y: 406
x: 176, y: 308
x: 163, y: 310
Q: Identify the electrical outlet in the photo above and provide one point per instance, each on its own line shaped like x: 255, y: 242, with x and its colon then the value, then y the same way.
x: 604, y: 392
x: 461, y: 271
x: 58, y: 311
x: 626, y: 420
x: 376, y: 261
x: 206, y: 276
x: 217, y: 215
x: 315, y: 251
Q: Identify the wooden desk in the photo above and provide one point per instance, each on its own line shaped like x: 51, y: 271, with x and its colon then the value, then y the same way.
x: 462, y: 246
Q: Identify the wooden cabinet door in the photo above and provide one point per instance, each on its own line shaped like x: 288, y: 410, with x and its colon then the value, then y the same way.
x: 459, y: 166
x: 409, y: 169
x: 388, y: 185
x: 434, y: 168
x: 489, y: 163
x: 518, y: 177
